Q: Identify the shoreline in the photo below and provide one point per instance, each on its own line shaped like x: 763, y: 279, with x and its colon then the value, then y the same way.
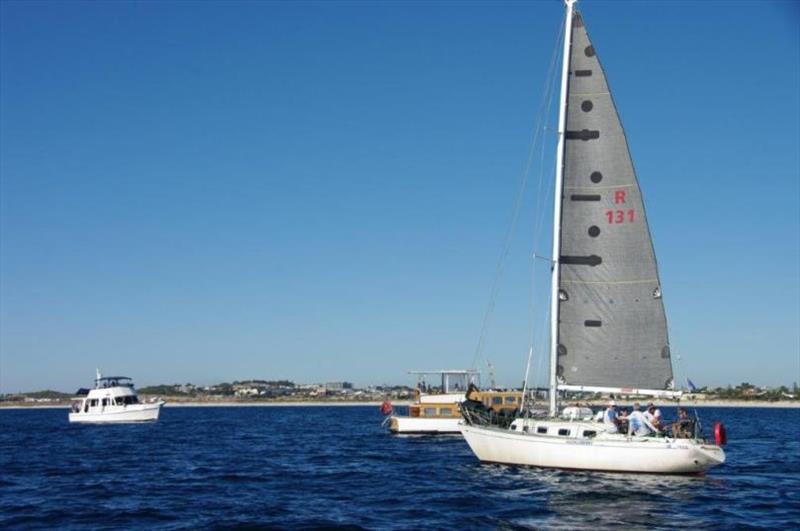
x: 281, y: 404
x: 190, y: 404
x: 785, y: 404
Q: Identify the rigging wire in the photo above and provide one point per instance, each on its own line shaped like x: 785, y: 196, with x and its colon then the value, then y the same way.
x: 538, y: 220
x: 545, y: 322
x: 537, y: 234
x: 541, y: 211
x: 535, y: 136
x: 539, y: 215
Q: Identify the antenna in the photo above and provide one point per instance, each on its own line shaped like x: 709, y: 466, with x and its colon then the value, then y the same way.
x: 491, y: 374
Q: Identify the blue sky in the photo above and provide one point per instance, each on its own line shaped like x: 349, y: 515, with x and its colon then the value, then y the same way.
x: 320, y: 191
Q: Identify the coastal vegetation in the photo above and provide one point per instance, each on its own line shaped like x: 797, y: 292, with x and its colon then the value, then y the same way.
x: 748, y: 391
x: 288, y: 391
x: 44, y: 396
x: 240, y: 391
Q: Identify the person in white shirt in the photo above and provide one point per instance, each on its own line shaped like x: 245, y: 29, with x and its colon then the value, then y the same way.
x: 653, y: 414
x: 638, y: 424
x: 610, y: 418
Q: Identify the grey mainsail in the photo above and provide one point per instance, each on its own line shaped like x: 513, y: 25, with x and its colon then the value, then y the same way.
x: 612, y: 329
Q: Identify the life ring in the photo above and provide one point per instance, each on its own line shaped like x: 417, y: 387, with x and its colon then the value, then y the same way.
x: 386, y: 408
x: 720, y: 436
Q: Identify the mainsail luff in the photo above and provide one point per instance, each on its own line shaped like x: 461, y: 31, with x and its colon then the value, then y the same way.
x: 611, y: 324
x: 559, y: 184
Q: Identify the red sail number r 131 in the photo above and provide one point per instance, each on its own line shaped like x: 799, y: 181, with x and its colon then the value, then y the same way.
x: 621, y: 216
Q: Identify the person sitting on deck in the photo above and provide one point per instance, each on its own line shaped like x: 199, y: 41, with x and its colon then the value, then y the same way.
x: 622, y: 418
x: 610, y: 419
x: 683, y: 428
x: 638, y: 424
x: 653, y: 414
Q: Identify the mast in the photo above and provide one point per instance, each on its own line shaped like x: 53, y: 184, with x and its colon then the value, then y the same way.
x: 555, y: 287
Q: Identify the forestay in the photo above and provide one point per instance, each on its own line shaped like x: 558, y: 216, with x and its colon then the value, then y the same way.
x: 612, y: 329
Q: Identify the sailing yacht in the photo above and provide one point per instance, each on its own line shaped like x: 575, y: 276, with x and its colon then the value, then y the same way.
x: 608, y: 328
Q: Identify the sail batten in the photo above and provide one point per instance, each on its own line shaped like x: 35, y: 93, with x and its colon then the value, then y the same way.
x: 612, y: 328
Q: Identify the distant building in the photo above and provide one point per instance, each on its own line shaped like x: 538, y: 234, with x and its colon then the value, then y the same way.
x: 247, y: 385
x: 338, y: 386
x: 247, y: 391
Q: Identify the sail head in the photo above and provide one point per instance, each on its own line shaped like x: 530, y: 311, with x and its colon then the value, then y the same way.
x: 612, y: 329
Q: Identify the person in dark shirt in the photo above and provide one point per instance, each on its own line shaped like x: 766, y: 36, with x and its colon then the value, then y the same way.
x: 683, y: 428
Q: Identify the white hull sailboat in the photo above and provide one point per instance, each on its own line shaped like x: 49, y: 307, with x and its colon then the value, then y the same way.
x: 603, y: 452
x: 608, y: 331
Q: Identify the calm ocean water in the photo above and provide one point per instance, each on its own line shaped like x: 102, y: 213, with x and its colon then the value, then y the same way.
x: 334, y: 466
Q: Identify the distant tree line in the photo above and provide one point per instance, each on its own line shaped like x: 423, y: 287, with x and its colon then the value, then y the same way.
x: 748, y: 391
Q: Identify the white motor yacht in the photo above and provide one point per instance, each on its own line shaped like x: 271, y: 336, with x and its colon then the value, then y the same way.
x: 113, y: 400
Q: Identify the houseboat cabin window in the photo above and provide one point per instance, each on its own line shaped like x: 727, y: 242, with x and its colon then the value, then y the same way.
x: 563, y: 431
x: 497, y: 400
x: 541, y: 429
x: 589, y: 433
x: 430, y: 411
x: 446, y: 411
x: 510, y: 399
x: 93, y: 402
x: 105, y: 402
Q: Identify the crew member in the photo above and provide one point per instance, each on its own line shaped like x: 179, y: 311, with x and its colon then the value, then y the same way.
x: 638, y: 424
x: 683, y: 428
x: 610, y: 419
x: 653, y: 414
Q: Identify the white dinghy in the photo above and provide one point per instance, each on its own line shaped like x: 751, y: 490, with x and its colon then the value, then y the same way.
x: 608, y: 328
x: 113, y: 400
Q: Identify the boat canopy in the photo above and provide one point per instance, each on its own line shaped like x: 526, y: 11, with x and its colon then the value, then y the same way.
x: 451, y: 380
x: 113, y: 381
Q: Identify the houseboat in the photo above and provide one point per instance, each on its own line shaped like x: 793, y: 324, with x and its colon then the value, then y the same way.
x: 437, y: 409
